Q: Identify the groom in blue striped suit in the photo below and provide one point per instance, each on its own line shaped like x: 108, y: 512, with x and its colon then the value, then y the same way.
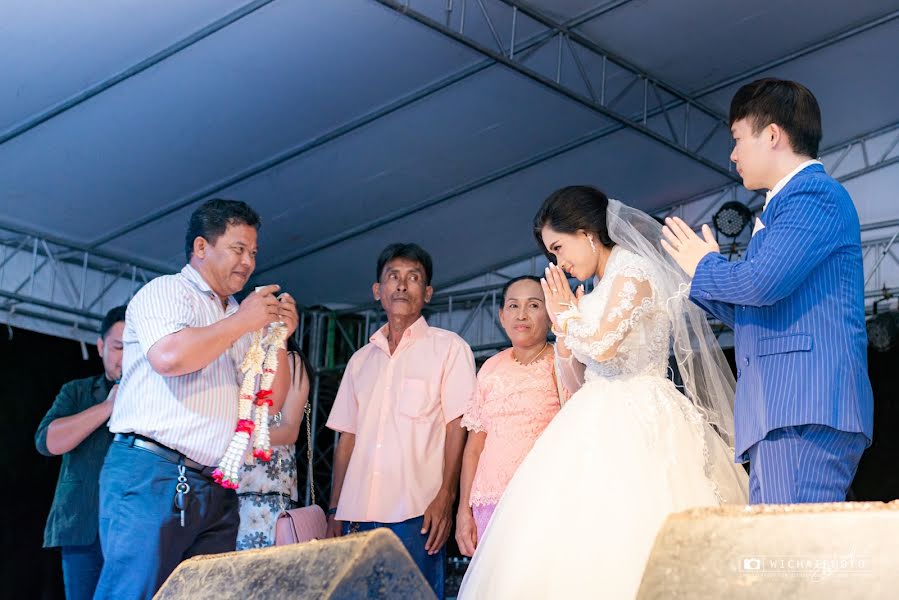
x: 804, y: 408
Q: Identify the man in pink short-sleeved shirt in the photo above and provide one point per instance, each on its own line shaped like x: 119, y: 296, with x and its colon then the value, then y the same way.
x: 399, y: 410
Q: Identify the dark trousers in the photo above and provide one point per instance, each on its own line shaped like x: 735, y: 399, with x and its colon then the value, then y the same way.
x: 140, y: 529
x: 81, y: 567
x: 409, y: 532
x: 805, y: 463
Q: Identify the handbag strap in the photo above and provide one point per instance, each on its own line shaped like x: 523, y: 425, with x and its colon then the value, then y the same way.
x: 299, y: 369
x: 309, y: 471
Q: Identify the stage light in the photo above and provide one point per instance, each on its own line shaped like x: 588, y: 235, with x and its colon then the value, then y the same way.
x: 732, y: 218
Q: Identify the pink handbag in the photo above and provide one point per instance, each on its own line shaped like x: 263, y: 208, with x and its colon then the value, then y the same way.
x: 300, y: 525
x: 305, y: 524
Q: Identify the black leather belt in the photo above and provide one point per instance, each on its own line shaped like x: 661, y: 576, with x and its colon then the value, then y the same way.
x: 173, y: 456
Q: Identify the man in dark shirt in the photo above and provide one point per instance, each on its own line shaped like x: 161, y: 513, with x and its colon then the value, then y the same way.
x: 75, y: 428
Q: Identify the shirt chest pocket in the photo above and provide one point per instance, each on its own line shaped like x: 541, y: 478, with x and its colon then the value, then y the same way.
x: 415, y: 399
x: 784, y: 344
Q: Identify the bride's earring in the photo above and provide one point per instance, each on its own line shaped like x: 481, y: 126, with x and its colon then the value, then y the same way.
x: 592, y: 245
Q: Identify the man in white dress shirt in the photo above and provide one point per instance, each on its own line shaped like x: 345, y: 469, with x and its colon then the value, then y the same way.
x: 184, y: 340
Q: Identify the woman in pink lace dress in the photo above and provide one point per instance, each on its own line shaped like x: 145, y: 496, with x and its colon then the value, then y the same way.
x: 520, y: 390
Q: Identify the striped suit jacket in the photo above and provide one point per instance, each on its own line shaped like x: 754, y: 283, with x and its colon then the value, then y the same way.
x: 796, y: 304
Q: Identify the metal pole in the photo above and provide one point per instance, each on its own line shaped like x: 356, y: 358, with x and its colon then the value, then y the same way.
x: 315, y: 353
x: 106, y: 287
x: 602, y: 91
x: 472, y: 316
x: 310, y: 471
x: 133, y: 281
x: 514, y: 25
x: 33, y: 266
x: 301, y: 330
x: 559, y: 60
x: 886, y: 250
x: 461, y: 32
x: 83, y: 281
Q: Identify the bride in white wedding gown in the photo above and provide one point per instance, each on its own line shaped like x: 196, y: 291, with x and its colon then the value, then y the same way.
x: 579, y: 518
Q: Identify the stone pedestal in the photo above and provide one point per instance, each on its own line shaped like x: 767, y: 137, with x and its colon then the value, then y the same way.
x: 361, y: 566
x: 842, y: 551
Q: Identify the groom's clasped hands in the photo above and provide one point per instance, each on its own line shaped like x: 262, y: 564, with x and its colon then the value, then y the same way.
x: 684, y: 246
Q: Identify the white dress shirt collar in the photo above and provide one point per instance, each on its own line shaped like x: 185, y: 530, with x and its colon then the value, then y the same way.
x: 783, y: 182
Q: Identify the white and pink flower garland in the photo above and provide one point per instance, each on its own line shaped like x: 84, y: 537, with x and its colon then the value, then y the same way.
x: 259, y: 360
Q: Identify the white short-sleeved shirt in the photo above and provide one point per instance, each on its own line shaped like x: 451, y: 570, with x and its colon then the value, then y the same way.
x: 196, y: 413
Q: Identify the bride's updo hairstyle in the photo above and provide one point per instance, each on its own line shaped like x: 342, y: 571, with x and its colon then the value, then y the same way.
x: 574, y: 208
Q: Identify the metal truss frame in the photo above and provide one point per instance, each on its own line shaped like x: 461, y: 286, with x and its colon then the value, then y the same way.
x: 472, y: 312
x: 43, y: 279
x: 665, y: 110
x: 848, y: 160
x: 596, y: 78
x: 654, y: 119
x: 657, y: 110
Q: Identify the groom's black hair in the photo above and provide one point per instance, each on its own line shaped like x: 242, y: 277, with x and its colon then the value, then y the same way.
x: 574, y: 208
x: 787, y: 104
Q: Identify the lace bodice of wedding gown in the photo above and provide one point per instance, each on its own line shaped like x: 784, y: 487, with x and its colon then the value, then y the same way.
x: 621, y: 329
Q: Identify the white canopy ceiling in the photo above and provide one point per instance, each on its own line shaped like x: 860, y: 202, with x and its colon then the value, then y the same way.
x: 351, y: 124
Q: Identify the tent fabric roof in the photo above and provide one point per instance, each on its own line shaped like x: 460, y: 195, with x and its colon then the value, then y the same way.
x: 352, y: 124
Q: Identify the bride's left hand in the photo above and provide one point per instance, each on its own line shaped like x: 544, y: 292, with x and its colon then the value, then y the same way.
x: 557, y: 293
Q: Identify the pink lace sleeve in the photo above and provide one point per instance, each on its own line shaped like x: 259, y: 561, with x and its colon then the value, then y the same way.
x: 474, y: 418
